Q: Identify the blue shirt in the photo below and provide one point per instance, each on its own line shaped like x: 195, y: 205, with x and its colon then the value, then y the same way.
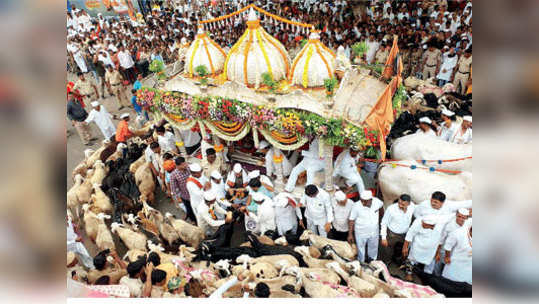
x: 137, y: 85
x: 136, y: 106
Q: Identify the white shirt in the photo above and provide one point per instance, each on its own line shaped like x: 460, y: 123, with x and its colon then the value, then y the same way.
x: 265, y: 215
x: 448, y: 207
x: 396, y: 220
x: 460, y: 269
x: 105, y: 59
x: 341, y: 215
x: 462, y: 138
x: 126, y: 61
x: 448, y: 64
x: 311, y: 157
x: 271, y: 166
x: 345, y: 164
x: 449, y: 227
x: 103, y: 119
x: 430, y: 132
x: 424, y: 242
x: 135, y: 286
x: 196, y: 194
x: 287, y: 218
x: 205, y: 220
x: 219, y: 189
x: 366, y: 219
x: 152, y: 157
x: 167, y: 141
x: 318, y: 209
x: 446, y: 133
x: 190, y: 138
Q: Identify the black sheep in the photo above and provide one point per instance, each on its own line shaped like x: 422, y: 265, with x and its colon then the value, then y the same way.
x: 262, y: 249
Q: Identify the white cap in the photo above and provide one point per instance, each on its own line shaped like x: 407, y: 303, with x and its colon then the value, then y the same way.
x: 237, y: 168
x: 366, y: 195
x: 195, y: 167
x: 124, y: 115
x: 464, y: 211
x: 257, y: 196
x: 467, y: 118
x: 183, y: 40
x: 447, y: 113
x: 209, y: 195
x: 264, y: 179
x: 424, y: 46
x: 215, y: 174
x: 263, y: 145
x: 340, y: 196
x: 446, y: 47
x: 95, y: 103
x: 425, y: 120
x: 254, y: 174
x: 429, y: 219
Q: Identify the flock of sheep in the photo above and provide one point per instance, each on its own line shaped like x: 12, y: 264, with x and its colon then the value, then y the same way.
x: 315, y: 267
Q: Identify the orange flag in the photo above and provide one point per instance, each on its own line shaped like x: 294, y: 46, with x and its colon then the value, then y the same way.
x: 388, y: 68
x: 381, y: 117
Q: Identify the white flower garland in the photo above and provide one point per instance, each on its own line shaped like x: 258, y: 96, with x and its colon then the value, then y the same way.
x: 226, y: 137
x: 277, y: 144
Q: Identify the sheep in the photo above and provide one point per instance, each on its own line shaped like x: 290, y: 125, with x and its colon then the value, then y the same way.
x: 131, y: 239
x: 73, y: 202
x: 281, y: 241
x: 365, y: 272
x: 278, y: 261
x: 365, y: 289
x: 101, y: 200
x: 80, y: 169
x: 134, y: 254
x: 275, y: 283
x: 344, y: 249
x: 328, y: 275
x: 92, y: 220
x: 263, y: 270
x: 85, y: 189
x: 104, y: 239
x: 93, y: 156
x: 190, y: 234
x: 99, y: 173
x: 136, y: 164
x: 145, y: 183
x: 118, y: 153
x: 382, y: 295
x: 166, y: 230
x: 311, y: 262
x: 165, y: 257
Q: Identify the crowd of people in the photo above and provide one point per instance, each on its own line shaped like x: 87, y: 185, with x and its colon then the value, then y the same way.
x: 435, y: 39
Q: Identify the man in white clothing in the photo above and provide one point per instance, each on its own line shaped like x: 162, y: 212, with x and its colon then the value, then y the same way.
x: 463, y: 134
x: 423, y: 237
x: 346, y: 166
x: 275, y: 161
x: 196, y: 184
x: 395, y: 223
x: 454, y: 222
x: 311, y: 163
x: 166, y: 140
x: 207, y: 214
x: 217, y: 184
x: 102, y: 119
x: 425, y: 127
x: 363, y: 225
x: 458, y: 254
x: 342, y: 206
x: 439, y: 206
x: 127, y: 63
x: 288, y: 212
x: 318, y: 210
x: 265, y: 215
x: 448, y: 65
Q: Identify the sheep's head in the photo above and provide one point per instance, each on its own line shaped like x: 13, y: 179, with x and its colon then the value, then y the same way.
x: 99, y: 164
x: 96, y: 186
x: 334, y: 266
x: 305, y: 235
x: 120, y: 147
x: 243, y: 259
x: 353, y: 267
x: 88, y: 153
x: 281, y: 241
x: 78, y: 179
x: 131, y: 219
x: 155, y: 248
x: 114, y: 227
x: 291, y: 270
x: 103, y: 216
x: 223, y: 267
x: 303, y: 250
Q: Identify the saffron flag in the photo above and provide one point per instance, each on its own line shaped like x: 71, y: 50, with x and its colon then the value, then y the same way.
x: 381, y: 117
x: 391, y: 66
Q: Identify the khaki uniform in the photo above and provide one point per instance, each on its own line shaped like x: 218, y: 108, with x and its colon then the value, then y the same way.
x: 218, y: 165
x: 462, y: 74
x: 86, y: 89
x: 405, y: 63
x: 115, y: 79
x: 432, y: 58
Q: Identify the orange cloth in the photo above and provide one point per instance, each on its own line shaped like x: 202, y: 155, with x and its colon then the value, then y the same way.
x: 381, y: 116
x: 469, y: 90
x: 122, y: 132
x: 169, y: 165
x: 388, y: 70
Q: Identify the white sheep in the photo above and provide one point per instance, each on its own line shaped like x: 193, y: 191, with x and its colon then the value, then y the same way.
x: 365, y: 289
x: 310, y: 261
x: 278, y: 261
x: 344, y: 249
x: 145, y: 183
x: 104, y: 239
x: 118, y: 153
x: 101, y: 200
x: 325, y: 273
x: 73, y: 202
x: 85, y: 190
x: 92, y: 221
x: 131, y: 239
x: 93, y: 156
x: 281, y: 241
x: 190, y: 234
x: 136, y: 164
x: 99, y: 173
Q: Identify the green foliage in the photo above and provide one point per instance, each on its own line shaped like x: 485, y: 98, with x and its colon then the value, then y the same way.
x: 204, y: 81
x: 360, y: 48
x: 371, y: 152
x: 201, y: 71
x: 268, y: 80
x: 330, y: 84
x: 303, y: 42
x: 158, y: 67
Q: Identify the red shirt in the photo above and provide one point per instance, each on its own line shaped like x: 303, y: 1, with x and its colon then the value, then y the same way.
x: 122, y: 132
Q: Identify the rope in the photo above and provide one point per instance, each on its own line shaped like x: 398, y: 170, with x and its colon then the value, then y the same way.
x: 423, y: 161
x: 431, y: 169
